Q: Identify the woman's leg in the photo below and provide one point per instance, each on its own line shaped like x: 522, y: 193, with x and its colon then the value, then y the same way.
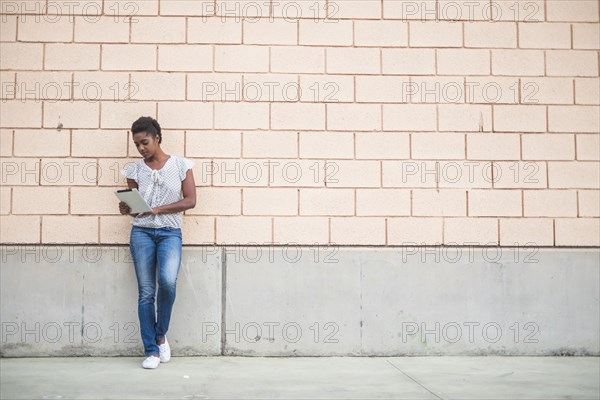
x: 143, y: 252
x: 169, y: 260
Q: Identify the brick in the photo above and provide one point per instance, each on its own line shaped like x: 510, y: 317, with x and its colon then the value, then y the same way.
x: 435, y: 34
x: 547, y: 91
x: 158, y: 30
x: 409, y: 117
x: 6, y: 142
x: 353, y: 174
x: 463, y: 10
x: 20, y: 171
x: 491, y: 35
x: 297, y: 173
x: 241, y: 59
x: 520, y: 175
x: 218, y: 201
x: 158, y: 86
x: 327, y: 88
x: 550, y: 203
x: 320, y: 202
x: 382, y: 202
x: 244, y: 230
x: 588, y: 147
x: 125, y: 57
x: 120, y: 115
x: 120, y: 8
x: 439, y: 203
x: 21, y: 56
x: 187, y: 8
x: 353, y: 60
x: 329, y: 145
x: 471, y: 231
x: 465, y: 174
x: 271, y: 88
x: 214, y: 87
x: 492, y: 203
x: 529, y: 11
x: 26, y: 200
x: 571, y: 63
x: 408, y: 61
x: 115, y: 229
x: 548, y: 147
x: 71, y: 56
x: 8, y: 87
x: 544, y: 36
x: 383, y: 89
x: 350, y: 117
x: 409, y: 9
x: 301, y: 230
x: 5, y: 200
x: 572, y: 175
x: 573, y: 119
x: 270, y: 144
x: 446, y: 146
x: 409, y: 173
x: 104, y: 29
x: 235, y: 172
x: 20, y: 229
x: 215, y: 30
x: 296, y: 116
x: 207, y: 144
x: 8, y: 28
x: 242, y: 8
x: 68, y: 172
x: 99, y: 143
x: 325, y: 33
x: 589, y: 203
x: 270, y: 31
x: 526, y: 232
x: 57, y: 29
x: 587, y: 91
x: 293, y: 9
x: 93, y: 201
x: 94, y: 86
x: 493, y: 146
x: 463, y: 62
x: 577, y: 232
x: 41, y: 85
x: 70, y: 229
x: 109, y: 170
x: 76, y: 114
x: 519, y: 118
x: 358, y: 231
x: 586, y: 36
x: 18, y: 114
x: 380, y: 33
x: 185, y: 115
x: 572, y: 10
x: 173, y: 142
x: 299, y: 59
x: 381, y: 146
x: 363, y: 9
x: 518, y: 62
x: 421, y: 231
x: 42, y: 143
x: 492, y: 90
x: 469, y: 117
x: 270, y: 201
x: 438, y: 89
x: 187, y: 57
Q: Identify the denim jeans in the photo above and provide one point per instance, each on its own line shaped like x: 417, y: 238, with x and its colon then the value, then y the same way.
x: 152, y: 247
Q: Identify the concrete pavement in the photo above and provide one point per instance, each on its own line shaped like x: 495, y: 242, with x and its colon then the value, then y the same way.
x: 302, y: 378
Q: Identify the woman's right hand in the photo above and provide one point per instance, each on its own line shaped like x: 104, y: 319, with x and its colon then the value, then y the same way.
x: 124, y: 208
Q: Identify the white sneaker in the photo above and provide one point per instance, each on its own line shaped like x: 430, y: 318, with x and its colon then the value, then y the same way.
x: 151, y: 362
x: 165, y: 351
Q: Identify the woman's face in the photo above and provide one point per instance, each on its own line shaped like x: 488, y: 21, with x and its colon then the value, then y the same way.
x: 146, y: 144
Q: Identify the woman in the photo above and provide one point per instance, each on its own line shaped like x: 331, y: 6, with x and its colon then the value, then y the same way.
x: 155, y: 238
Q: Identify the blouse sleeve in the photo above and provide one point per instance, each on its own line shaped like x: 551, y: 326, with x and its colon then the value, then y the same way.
x: 130, y: 171
x: 185, y: 165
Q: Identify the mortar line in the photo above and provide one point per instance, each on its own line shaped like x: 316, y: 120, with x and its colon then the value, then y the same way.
x: 414, y: 380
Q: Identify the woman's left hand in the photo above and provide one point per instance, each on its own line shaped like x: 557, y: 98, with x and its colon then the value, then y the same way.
x: 148, y: 213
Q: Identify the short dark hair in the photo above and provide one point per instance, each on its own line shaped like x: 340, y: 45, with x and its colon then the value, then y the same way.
x: 148, y: 125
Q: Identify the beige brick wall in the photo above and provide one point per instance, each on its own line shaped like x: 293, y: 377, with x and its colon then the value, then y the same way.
x: 354, y: 122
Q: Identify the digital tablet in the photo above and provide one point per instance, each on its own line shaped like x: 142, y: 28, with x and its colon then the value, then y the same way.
x: 134, y: 200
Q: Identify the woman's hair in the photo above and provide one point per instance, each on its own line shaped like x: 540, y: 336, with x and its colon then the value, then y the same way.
x: 148, y: 125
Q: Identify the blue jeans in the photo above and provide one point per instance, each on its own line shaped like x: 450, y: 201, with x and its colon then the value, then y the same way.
x: 152, y: 247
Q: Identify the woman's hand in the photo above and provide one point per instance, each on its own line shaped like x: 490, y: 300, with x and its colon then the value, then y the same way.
x: 145, y: 214
x: 124, y: 208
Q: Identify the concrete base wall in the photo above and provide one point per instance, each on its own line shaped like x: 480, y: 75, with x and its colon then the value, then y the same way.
x: 308, y: 301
